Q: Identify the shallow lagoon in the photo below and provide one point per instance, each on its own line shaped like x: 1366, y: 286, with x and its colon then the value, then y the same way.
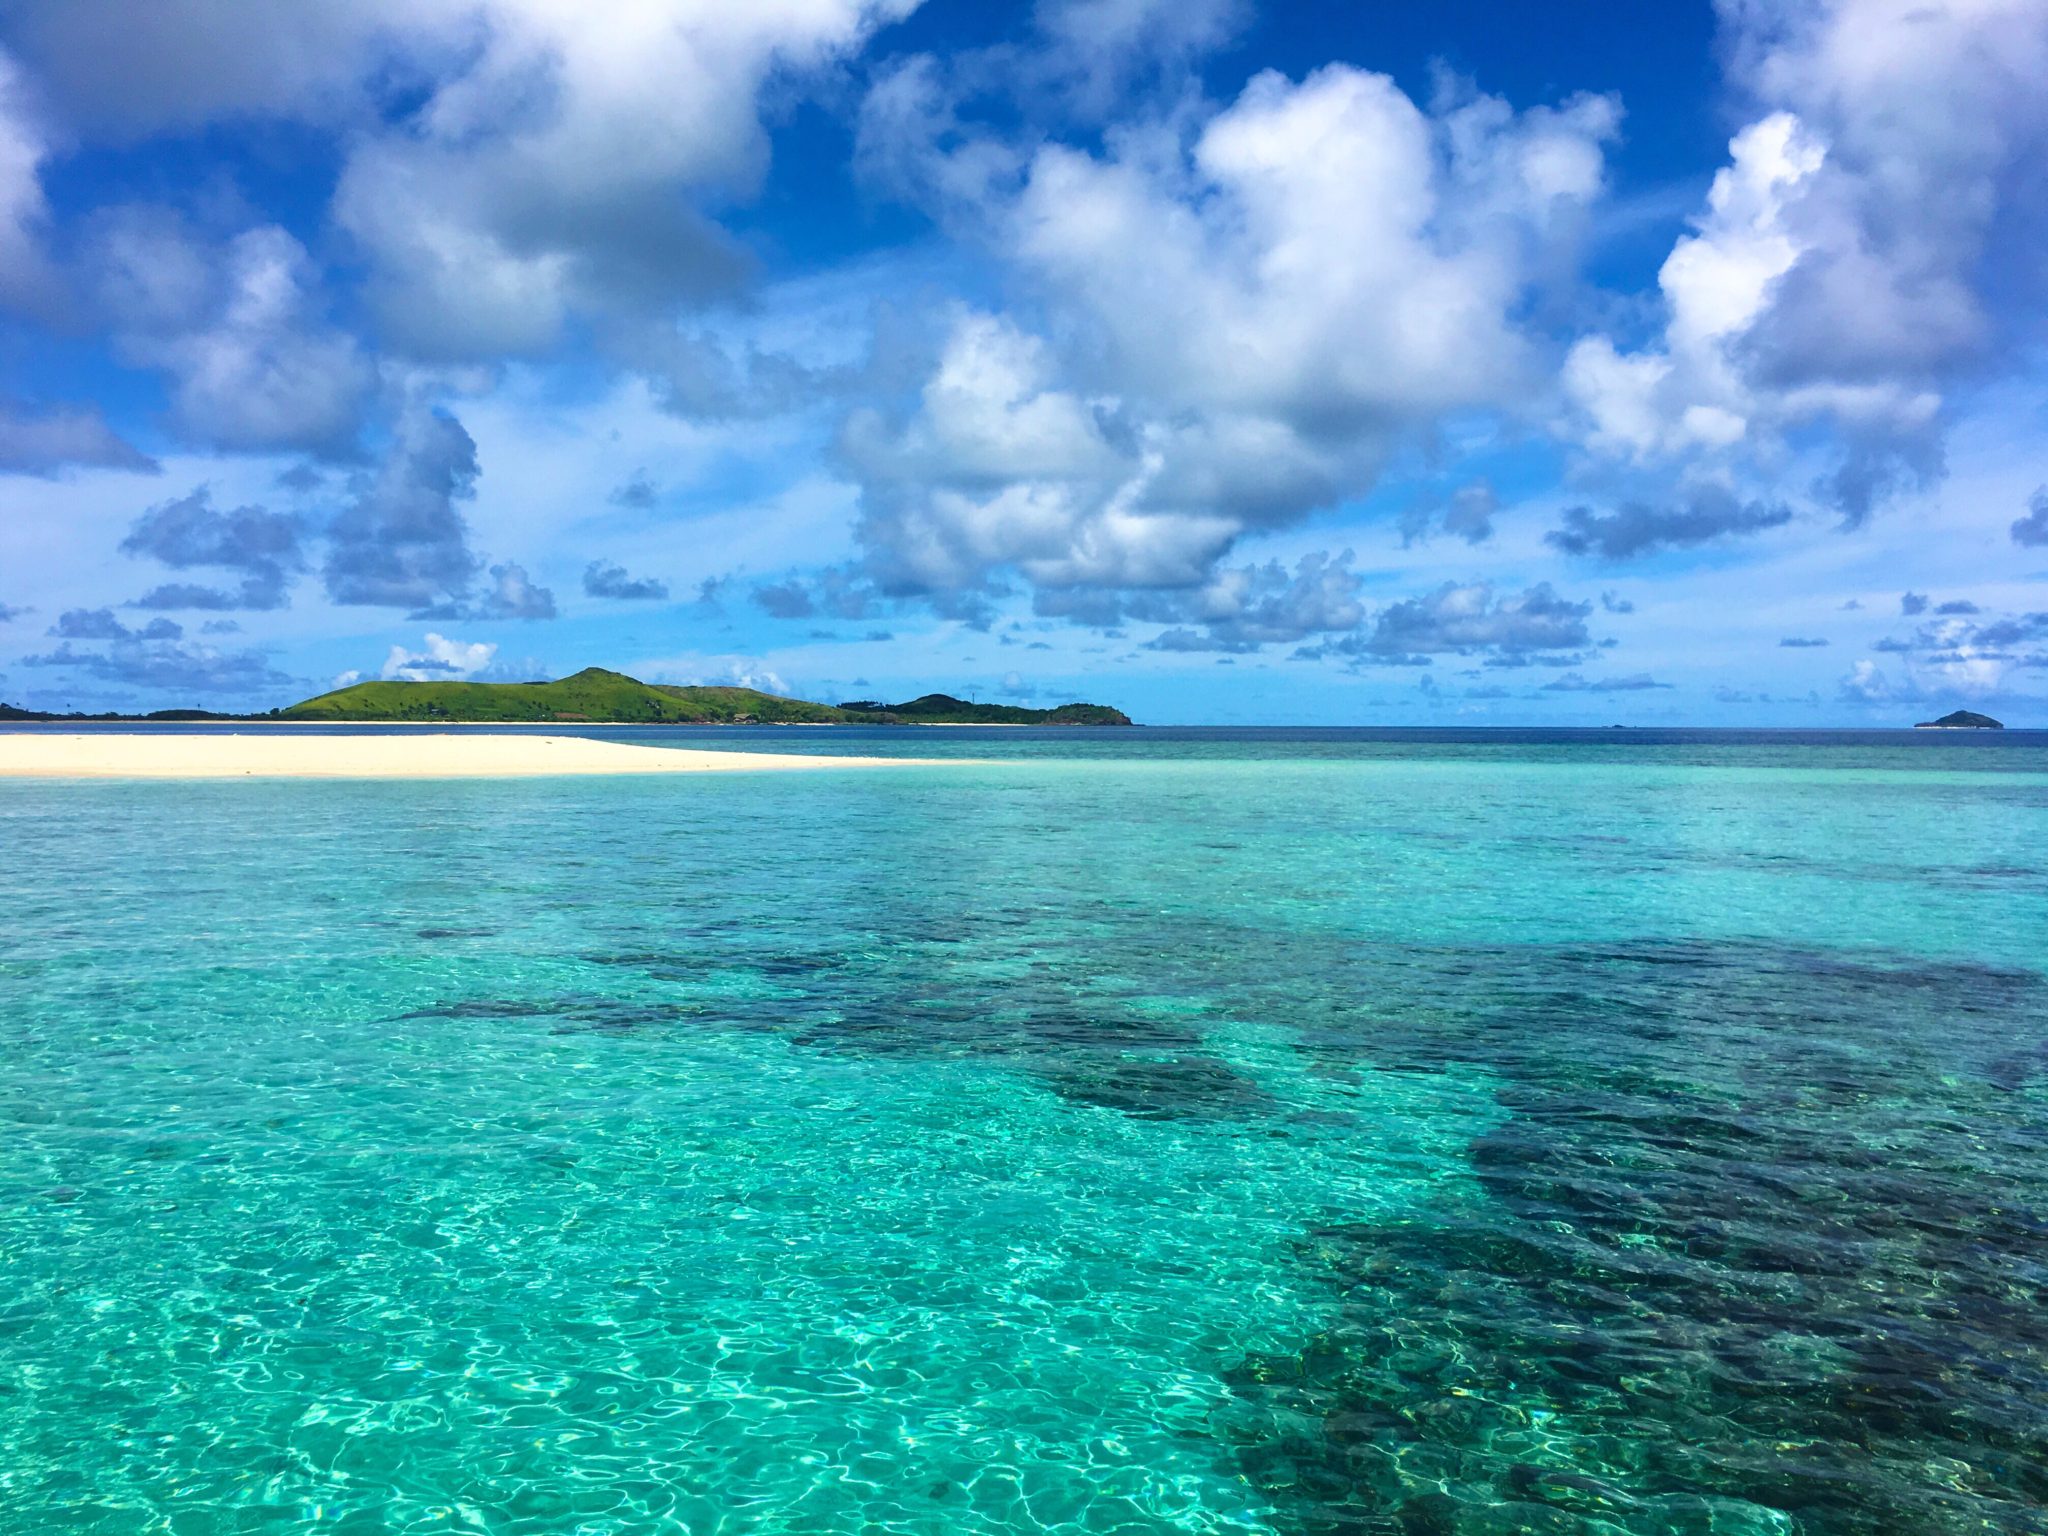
x: 1303, y: 1133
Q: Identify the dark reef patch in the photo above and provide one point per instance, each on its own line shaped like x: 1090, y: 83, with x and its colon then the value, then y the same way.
x: 1749, y: 1247
x: 1759, y: 1246
x: 1159, y: 1088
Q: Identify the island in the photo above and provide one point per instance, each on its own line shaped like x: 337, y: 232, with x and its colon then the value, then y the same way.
x: 596, y: 696
x: 159, y: 717
x: 1961, y: 720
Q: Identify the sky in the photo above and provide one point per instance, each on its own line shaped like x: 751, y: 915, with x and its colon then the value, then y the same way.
x: 1235, y: 363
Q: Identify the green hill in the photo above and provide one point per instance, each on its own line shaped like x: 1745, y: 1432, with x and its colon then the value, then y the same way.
x: 595, y: 696
x: 944, y: 709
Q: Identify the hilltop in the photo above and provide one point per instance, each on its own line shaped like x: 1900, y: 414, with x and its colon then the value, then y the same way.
x: 596, y: 696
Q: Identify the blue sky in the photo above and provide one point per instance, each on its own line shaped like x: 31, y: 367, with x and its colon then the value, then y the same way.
x: 1320, y: 363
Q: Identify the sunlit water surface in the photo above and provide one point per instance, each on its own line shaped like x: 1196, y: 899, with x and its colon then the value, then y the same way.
x: 1157, y: 1133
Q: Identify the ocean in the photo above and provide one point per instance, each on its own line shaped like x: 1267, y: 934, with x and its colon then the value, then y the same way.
x: 1329, y: 1133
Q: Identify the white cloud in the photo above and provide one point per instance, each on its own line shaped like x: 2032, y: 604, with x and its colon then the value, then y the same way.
x: 43, y: 442
x: 1689, y: 393
x: 714, y: 671
x: 125, y: 71
x: 1000, y: 467
x: 253, y: 364
x: 1097, y: 50
x: 402, y: 541
x: 1239, y: 327
x: 24, y: 270
x: 1935, y: 122
x: 439, y: 660
x: 1327, y: 255
x: 548, y: 176
x: 508, y: 163
x: 1837, y: 273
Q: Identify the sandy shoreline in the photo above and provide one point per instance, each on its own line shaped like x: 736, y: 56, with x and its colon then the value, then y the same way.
x: 226, y: 755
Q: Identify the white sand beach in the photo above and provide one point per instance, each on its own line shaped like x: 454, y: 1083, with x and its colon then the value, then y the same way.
x: 464, y: 755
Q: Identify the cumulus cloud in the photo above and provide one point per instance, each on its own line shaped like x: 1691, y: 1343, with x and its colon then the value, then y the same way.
x: 1866, y: 683
x: 549, y: 174
x: 715, y: 672
x: 1573, y: 682
x: 1706, y: 514
x: 511, y: 594
x: 439, y: 659
x: 25, y: 276
x: 1328, y: 256
x: 402, y: 541
x: 8, y: 614
x: 2032, y: 530
x: 1961, y: 652
x: 264, y: 547
x: 509, y: 165
x: 41, y: 442
x: 1801, y: 643
x: 1249, y: 318
x: 784, y: 600
x: 1465, y: 619
x: 237, y: 327
x: 1911, y: 603
x: 1932, y: 107
x: 1245, y: 607
x: 1717, y: 282
x: 1098, y: 51
x: 162, y: 662
x: 102, y: 624
x: 1469, y: 619
x: 1963, y: 628
x: 1806, y: 295
x: 603, y: 579
x: 125, y: 71
x: 1001, y: 467
x: 1467, y: 513
x: 635, y: 491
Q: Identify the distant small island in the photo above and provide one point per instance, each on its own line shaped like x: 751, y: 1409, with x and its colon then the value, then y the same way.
x: 595, y: 696
x: 1961, y: 720
x: 158, y: 717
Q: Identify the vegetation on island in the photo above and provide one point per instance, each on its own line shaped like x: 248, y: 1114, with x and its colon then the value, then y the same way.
x: 596, y: 696
x: 1961, y: 720
x: 944, y: 709
x: 158, y: 717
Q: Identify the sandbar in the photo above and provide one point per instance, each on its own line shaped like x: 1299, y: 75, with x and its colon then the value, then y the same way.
x: 467, y: 755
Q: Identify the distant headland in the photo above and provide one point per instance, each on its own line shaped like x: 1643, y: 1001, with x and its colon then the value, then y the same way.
x: 596, y: 696
x: 1961, y: 720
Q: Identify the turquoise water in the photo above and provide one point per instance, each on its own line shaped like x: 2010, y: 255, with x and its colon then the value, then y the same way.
x: 1319, y: 1135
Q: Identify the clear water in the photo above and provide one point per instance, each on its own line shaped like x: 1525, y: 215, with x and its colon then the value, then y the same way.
x: 1191, y: 1133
